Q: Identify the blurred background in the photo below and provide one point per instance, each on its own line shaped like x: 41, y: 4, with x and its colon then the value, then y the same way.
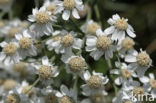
x: 141, y: 15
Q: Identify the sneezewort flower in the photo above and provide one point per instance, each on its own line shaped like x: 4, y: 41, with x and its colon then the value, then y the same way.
x: 43, y: 21
x: 68, y: 6
x: 119, y: 27
x: 100, y: 44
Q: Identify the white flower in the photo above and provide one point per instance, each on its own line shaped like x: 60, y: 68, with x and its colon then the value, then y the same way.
x: 119, y: 27
x: 9, y: 54
x: 64, y: 42
x: 26, y: 47
x: 43, y: 21
x: 149, y: 83
x: 46, y: 70
x: 68, y: 6
x: 140, y: 62
x: 66, y: 95
x: 5, y: 5
x: 125, y: 72
x: 94, y: 83
x: 2, y: 26
x: 75, y: 65
x: 100, y: 45
x: 90, y: 27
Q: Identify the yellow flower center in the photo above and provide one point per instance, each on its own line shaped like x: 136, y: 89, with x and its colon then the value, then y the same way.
x: 121, y: 24
x: 9, y: 84
x: 25, y: 43
x: 92, y: 28
x: 67, y: 40
x: 143, y: 59
x: 42, y: 17
x: 51, y: 8
x: 153, y: 83
x: 103, y: 43
x: 127, y: 43
x: 69, y: 4
x: 13, y: 31
x: 51, y: 98
x: 95, y: 82
x: 126, y: 73
x: 66, y: 99
x: 13, y: 98
x: 19, y: 66
x: 10, y: 49
x: 77, y: 64
x: 45, y: 72
x: 138, y: 91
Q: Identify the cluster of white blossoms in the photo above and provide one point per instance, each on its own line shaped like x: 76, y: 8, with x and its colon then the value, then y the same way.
x: 40, y: 58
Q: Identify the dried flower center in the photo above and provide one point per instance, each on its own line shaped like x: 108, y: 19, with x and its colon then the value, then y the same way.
x: 9, y: 84
x: 67, y: 40
x: 51, y: 8
x: 77, y: 64
x: 13, y: 98
x: 69, y: 4
x: 103, y: 43
x: 45, y: 72
x: 98, y: 98
x: 2, y: 2
x: 95, y: 82
x: 153, y: 83
x: 27, y: 90
x: 92, y: 28
x: 2, y: 24
x: 127, y: 43
x: 10, y: 49
x: 19, y: 66
x: 51, y: 98
x: 25, y: 43
x: 66, y: 99
x: 143, y: 59
x: 121, y: 24
x: 42, y: 17
x: 128, y: 102
x: 126, y: 73
x: 138, y: 91
x: 13, y: 31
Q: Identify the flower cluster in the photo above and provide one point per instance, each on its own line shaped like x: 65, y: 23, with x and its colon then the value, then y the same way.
x: 40, y: 58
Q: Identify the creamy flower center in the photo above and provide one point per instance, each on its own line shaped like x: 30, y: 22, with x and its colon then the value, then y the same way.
x: 25, y: 43
x: 126, y: 73
x: 4, y: 2
x: 27, y: 90
x: 51, y: 98
x: 128, y: 102
x: 153, y: 83
x: 13, y: 31
x: 10, y: 49
x: 42, y: 17
x: 143, y: 59
x: 56, y: 38
x: 45, y: 72
x: 127, y: 43
x: 9, y: 84
x: 95, y: 82
x: 19, y: 66
x: 24, y: 25
x: 2, y: 24
x: 103, y: 43
x: 67, y: 40
x: 138, y: 91
x: 92, y: 28
x: 13, y: 98
x: 69, y: 4
x: 97, y: 98
x: 121, y: 24
x: 66, y: 99
x: 77, y: 64
x: 51, y: 8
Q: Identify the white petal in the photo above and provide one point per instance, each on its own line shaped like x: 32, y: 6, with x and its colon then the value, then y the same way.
x: 77, y: 43
x: 151, y: 75
x: 118, y: 81
x: 2, y: 56
x: 130, y: 58
x: 87, y: 75
x: 116, y: 17
x: 131, y: 33
x: 96, y: 54
x: 66, y: 15
x: 91, y: 41
x: 109, y: 30
x: 64, y: 89
x: 45, y: 60
x: 75, y: 14
x: 144, y: 79
x: 111, y: 21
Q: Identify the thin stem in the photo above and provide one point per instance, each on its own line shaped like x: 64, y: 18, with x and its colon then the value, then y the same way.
x: 109, y: 63
x: 36, y: 3
x: 75, y: 83
x: 33, y: 85
x: 89, y: 14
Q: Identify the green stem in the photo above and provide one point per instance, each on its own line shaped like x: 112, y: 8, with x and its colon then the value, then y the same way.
x: 97, y: 13
x: 75, y: 83
x: 36, y: 3
x: 109, y: 63
x: 89, y: 14
x: 33, y: 85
